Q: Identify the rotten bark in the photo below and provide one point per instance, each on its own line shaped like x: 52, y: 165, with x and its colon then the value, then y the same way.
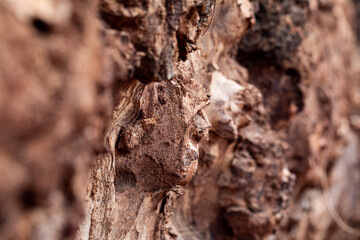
x: 122, y: 120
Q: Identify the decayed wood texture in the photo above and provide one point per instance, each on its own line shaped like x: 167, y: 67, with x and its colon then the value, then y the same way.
x: 242, y: 185
x: 123, y: 120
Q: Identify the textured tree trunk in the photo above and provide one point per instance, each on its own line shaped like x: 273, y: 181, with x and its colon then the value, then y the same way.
x: 179, y: 119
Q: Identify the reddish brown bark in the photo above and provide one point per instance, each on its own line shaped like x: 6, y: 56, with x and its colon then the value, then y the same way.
x: 122, y: 120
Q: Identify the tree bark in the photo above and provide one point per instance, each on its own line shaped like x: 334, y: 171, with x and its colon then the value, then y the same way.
x: 179, y: 119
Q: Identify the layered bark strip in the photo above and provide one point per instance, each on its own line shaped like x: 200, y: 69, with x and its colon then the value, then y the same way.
x: 165, y: 71
x: 179, y: 119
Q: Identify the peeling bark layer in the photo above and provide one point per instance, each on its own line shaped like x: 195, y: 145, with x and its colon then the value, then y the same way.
x: 242, y: 184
